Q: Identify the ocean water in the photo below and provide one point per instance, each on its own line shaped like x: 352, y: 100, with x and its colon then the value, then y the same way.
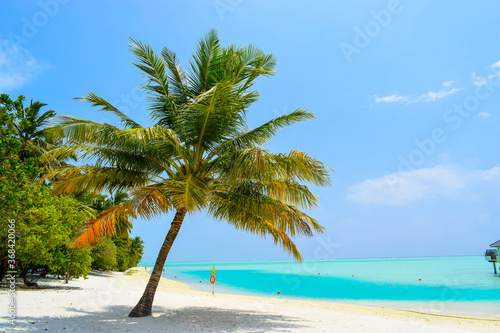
x: 464, y: 286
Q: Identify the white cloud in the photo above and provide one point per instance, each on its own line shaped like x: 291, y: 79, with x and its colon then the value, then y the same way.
x: 492, y: 174
x: 390, y: 99
x: 430, y: 96
x: 496, y: 65
x: 17, y: 66
x: 434, y: 96
x: 478, y: 80
x: 449, y: 182
x: 483, y: 114
x: 448, y: 83
x: 482, y: 80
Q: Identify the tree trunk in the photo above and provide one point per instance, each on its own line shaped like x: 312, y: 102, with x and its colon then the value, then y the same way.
x: 143, y: 308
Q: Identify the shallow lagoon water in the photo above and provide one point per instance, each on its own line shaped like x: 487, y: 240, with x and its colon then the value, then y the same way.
x: 464, y: 286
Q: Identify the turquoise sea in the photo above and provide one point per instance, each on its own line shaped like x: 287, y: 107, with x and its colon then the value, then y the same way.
x: 464, y: 286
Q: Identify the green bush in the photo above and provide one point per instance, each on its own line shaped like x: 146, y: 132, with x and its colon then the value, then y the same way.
x: 104, y: 255
x: 44, y: 227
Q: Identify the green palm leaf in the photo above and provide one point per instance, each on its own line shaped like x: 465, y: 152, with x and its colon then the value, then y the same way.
x: 98, y: 101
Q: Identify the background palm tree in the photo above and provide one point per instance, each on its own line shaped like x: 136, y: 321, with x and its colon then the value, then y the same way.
x: 31, y: 129
x: 198, y: 155
x: 30, y: 125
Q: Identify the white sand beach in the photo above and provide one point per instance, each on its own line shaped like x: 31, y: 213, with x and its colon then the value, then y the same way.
x: 102, y: 302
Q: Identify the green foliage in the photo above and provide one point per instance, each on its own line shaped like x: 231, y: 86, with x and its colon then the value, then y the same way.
x: 29, y: 126
x: 117, y: 253
x: 135, y: 251
x: 129, y: 250
x: 104, y: 255
x: 44, y: 224
x: 122, y: 259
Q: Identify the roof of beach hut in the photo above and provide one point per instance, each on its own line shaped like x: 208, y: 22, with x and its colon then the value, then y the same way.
x: 496, y: 244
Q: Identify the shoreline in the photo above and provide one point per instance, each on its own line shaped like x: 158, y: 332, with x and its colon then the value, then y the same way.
x: 102, y: 302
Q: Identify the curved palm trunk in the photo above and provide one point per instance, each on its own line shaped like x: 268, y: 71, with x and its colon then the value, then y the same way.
x: 143, y: 308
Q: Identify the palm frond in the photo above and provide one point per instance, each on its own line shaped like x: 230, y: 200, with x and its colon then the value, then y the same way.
x: 76, y: 179
x: 97, y: 101
x: 259, y: 164
x: 177, y: 76
x: 285, y: 217
x: 152, y: 66
x: 145, y: 202
x: 245, y: 218
x: 102, y: 225
x: 186, y: 191
x: 205, y: 59
x: 150, y: 201
x: 82, y: 131
x: 263, y: 133
x: 88, y: 211
x: 44, y: 119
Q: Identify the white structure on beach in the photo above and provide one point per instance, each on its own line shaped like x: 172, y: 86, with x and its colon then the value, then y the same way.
x: 492, y: 255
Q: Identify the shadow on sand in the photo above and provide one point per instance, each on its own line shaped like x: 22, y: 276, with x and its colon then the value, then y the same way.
x: 52, y: 283
x: 187, y: 319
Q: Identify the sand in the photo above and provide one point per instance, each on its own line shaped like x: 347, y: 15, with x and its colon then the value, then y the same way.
x: 102, y: 302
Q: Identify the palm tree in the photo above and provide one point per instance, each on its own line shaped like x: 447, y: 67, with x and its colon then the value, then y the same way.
x: 31, y: 129
x: 198, y: 155
x: 136, y: 249
x: 29, y: 125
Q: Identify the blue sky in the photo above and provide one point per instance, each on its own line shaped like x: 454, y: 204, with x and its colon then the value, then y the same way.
x: 406, y: 94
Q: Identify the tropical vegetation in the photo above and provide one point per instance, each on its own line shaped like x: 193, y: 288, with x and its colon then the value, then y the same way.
x: 44, y: 225
x: 118, y: 252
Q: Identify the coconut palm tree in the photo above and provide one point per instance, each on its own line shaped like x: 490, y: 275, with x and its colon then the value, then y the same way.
x: 198, y: 156
x: 29, y: 125
x: 31, y: 129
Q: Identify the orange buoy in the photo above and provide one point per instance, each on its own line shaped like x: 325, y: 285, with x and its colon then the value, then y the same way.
x: 279, y: 292
x: 419, y: 279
